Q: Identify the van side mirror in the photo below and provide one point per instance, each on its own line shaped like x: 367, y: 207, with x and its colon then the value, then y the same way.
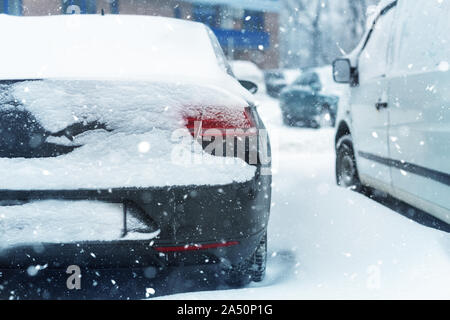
x: 250, y: 86
x: 342, y: 71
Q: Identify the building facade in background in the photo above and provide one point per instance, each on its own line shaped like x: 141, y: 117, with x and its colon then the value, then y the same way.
x: 246, y: 29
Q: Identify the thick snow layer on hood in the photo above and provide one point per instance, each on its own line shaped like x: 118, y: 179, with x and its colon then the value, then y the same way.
x: 142, y: 146
x: 66, y: 222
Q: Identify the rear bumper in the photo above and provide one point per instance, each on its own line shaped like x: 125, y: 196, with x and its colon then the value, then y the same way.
x: 183, y: 272
x: 189, y: 215
x: 115, y: 270
x: 122, y: 255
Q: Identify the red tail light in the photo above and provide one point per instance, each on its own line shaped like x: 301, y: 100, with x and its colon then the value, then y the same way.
x: 229, y: 122
x: 197, y: 247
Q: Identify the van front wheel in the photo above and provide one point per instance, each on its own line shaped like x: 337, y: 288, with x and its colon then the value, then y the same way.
x: 346, y: 171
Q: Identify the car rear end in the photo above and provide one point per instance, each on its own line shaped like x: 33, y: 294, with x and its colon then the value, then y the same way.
x: 154, y: 162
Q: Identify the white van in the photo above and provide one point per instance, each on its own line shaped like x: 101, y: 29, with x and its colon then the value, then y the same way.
x: 394, y: 134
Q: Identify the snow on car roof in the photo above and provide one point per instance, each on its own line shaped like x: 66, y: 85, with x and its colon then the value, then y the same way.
x: 104, y: 47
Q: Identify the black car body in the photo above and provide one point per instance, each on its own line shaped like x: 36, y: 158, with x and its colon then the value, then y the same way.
x: 304, y: 104
x: 90, y: 123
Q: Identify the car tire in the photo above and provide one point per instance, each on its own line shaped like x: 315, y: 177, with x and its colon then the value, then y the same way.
x: 313, y: 124
x: 252, y: 269
x: 347, y: 174
x: 258, y: 267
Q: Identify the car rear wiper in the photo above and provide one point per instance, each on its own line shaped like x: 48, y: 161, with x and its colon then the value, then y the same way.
x: 22, y: 136
x: 78, y: 128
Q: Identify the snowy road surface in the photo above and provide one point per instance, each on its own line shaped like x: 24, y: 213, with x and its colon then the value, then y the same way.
x: 330, y: 243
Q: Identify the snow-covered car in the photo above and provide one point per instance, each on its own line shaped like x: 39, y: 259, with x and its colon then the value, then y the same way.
x: 308, y: 101
x: 247, y: 70
x: 394, y: 134
x: 278, y: 79
x: 290, y: 75
x: 122, y: 145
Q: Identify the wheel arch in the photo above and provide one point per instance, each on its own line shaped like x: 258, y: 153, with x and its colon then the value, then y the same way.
x: 343, y: 129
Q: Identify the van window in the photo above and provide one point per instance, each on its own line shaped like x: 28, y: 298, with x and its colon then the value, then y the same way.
x: 373, y: 59
x: 422, y: 38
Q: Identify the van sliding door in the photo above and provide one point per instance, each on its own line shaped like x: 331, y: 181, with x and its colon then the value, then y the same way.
x: 419, y: 134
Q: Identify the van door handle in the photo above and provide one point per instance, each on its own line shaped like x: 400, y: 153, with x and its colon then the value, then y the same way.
x: 381, y: 105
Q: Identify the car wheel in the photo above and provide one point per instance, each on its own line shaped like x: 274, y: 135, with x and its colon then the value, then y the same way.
x: 346, y: 170
x: 313, y: 124
x: 252, y: 269
x: 260, y: 261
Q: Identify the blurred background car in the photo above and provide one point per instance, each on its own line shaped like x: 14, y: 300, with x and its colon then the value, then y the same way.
x: 275, y: 82
x: 312, y: 99
x: 278, y: 79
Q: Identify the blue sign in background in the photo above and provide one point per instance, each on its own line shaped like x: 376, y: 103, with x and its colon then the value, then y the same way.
x: 262, y: 5
x: 242, y: 39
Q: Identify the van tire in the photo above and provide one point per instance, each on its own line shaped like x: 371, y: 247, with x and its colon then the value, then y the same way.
x: 347, y: 174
